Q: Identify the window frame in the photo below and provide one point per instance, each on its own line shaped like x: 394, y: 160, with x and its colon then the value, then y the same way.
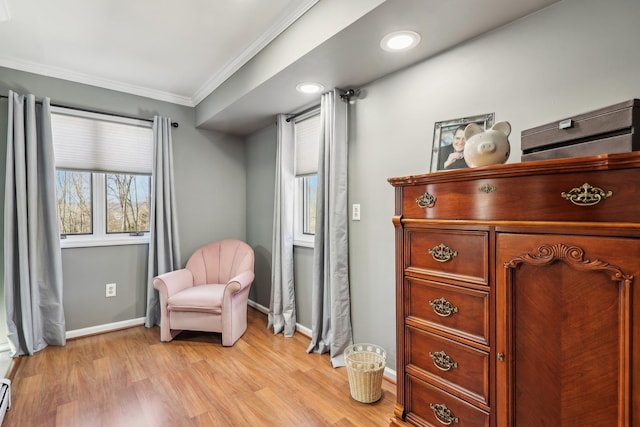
x: 300, y: 214
x: 100, y: 237
x: 300, y: 196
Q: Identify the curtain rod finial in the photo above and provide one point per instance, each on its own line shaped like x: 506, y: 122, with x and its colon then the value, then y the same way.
x: 349, y: 96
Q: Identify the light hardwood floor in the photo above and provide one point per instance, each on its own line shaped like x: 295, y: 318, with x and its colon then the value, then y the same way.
x: 129, y: 378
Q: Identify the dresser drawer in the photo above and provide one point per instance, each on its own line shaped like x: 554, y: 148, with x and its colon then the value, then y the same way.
x: 450, y: 363
x: 529, y: 198
x: 449, y: 253
x: 451, y: 309
x: 427, y: 404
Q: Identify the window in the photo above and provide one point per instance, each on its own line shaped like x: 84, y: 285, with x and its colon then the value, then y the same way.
x: 128, y: 203
x: 103, y: 178
x: 307, y: 138
x: 309, y: 192
x: 75, y: 205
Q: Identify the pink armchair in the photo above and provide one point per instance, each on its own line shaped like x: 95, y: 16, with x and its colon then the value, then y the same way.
x: 209, y: 294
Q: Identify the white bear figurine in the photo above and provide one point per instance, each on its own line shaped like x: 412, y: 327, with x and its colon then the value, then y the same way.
x: 490, y: 147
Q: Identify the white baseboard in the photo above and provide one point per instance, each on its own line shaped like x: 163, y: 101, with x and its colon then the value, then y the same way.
x: 105, y: 328
x: 304, y: 330
x: 389, y: 374
x: 261, y: 308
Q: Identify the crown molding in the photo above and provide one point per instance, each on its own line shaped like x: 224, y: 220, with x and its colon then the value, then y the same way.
x: 286, y: 19
x: 64, y: 74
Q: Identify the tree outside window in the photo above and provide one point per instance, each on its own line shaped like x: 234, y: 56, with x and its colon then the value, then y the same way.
x: 75, y: 204
x: 310, y: 187
x: 128, y: 201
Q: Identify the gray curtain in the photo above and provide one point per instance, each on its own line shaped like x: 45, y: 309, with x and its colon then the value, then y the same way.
x: 331, y: 301
x: 282, y: 306
x: 164, y: 246
x: 33, y: 262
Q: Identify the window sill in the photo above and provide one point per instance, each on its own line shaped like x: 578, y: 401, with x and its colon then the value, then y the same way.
x: 303, y: 243
x: 90, y: 241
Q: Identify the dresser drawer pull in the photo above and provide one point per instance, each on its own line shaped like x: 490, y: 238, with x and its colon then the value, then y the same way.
x: 443, y: 414
x: 443, y: 361
x: 487, y: 188
x: 426, y: 201
x: 586, y: 195
x: 442, y: 253
x: 442, y: 307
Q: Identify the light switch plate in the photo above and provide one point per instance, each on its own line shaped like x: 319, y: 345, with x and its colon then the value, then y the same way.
x: 355, y: 212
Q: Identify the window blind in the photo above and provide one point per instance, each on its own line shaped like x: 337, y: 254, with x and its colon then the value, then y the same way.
x: 101, y: 143
x: 307, y: 137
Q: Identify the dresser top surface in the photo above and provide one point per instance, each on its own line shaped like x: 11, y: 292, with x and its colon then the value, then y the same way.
x: 542, y: 167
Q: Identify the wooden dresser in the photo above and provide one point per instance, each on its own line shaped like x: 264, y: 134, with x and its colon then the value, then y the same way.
x: 515, y: 295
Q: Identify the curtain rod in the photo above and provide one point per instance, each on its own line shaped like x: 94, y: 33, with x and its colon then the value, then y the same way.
x: 293, y: 116
x: 173, y: 124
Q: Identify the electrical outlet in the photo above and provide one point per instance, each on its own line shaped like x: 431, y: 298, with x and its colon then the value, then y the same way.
x: 111, y: 290
x: 355, y: 212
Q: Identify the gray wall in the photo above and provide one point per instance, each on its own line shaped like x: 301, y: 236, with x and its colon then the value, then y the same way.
x: 303, y: 273
x: 261, y: 158
x: 87, y: 270
x: 261, y: 173
x: 570, y: 58
x: 210, y: 190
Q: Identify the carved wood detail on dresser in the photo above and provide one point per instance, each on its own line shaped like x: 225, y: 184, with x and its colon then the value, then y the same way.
x: 516, y: 306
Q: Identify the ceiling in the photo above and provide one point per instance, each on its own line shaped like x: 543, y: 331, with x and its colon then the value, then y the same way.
x: 190, y: 53
x: 163, y: 49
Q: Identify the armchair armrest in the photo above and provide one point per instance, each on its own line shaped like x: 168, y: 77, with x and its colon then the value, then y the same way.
x: 240, y: 282
x: 173, y: 282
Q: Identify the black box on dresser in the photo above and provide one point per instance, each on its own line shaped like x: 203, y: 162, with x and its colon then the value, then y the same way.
x: 609, y: 130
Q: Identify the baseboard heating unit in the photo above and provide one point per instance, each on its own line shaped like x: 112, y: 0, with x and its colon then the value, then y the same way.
x: 5, y: 397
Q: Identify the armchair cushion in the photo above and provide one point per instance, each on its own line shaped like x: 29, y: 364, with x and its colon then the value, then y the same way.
x: 202, y: 298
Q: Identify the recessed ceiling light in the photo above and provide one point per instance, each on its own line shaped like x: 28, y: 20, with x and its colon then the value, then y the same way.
x: 309, y: 88
x: 400, y: 40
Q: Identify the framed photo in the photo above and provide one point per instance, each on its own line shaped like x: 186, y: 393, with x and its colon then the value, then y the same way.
x: 448, y: 141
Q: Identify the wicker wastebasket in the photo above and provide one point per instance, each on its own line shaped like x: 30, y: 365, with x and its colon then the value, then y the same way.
x: 365, y: 366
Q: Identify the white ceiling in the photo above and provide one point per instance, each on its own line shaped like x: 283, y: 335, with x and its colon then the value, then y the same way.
x: 181, y: 52
x: 176, y: 51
